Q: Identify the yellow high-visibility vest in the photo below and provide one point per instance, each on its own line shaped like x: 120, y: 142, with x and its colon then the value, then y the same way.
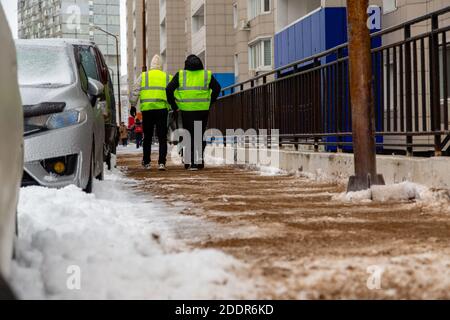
x: 193, y: 93
x: 153, y: 90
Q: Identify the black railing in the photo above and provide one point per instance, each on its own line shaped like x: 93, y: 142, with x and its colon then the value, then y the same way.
x: 309, y: 102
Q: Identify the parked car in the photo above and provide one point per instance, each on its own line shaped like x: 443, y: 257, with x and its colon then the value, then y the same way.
x: 64, y: 109
x: 96, y: 68
x: 11, y: 149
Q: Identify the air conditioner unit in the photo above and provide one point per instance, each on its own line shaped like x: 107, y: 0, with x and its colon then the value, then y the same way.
x: 245, y: 25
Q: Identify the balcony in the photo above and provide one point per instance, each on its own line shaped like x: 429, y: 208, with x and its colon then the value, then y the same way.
x: 162, y: 11
x: 199, y: 41
x: 163, y: 38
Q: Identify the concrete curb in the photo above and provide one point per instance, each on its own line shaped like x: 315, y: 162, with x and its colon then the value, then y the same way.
x: 432, y: 172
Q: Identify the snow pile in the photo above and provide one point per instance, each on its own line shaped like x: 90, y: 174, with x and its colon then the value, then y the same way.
x: 117, y: 245
x: 318, y: 176
x: 405, y: 191
x: 271, y: 171
x: 129, y: 149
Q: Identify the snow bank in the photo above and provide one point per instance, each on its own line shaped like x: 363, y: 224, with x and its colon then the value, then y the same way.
x: 271, y: 171
x: 120, y: 244
x: 396, y: 192
x: 129, y: 149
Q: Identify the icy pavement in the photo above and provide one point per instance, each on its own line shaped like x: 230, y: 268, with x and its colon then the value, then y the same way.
x: 113, y: 244
x: 304, y: 238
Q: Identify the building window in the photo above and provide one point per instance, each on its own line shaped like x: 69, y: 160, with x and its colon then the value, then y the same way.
x: 235, y: 16
x: 257, y: 7
x: 389, y: 6
x: 260, y: 55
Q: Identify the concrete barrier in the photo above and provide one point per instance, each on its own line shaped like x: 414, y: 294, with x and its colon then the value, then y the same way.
x: 432, y: 172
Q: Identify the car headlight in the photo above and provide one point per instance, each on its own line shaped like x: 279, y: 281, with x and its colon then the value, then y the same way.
x: 57, y: 120
x: 65, y: 119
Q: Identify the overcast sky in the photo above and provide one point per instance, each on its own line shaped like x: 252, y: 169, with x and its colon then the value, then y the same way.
x: 10, y: 7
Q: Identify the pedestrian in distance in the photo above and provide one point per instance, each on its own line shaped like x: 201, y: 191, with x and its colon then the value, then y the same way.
x: 123, y: 134
x: 193, y: 91
x: 138, y: 131
x: 150, y: 89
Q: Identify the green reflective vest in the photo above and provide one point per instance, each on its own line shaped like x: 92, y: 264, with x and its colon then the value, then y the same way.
x: 193, y: 93
x: 153, y: 90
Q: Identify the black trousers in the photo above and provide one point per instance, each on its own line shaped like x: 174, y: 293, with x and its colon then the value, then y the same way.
x: 197, y: 151
x: 152, y: 119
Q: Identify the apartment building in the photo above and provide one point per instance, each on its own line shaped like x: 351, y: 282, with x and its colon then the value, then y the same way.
x: 134, y: 40
x: 254, y: 28
x: 172, y: 45
x: 177, y: 28
x: 73, y: 19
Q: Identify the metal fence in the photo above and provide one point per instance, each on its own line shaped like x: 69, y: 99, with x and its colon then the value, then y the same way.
x: 309, y: 100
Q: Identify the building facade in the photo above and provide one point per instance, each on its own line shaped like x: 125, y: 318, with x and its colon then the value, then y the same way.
x: 73, y: 19
x: 239, y: 39
x: 134, y: 40
x: 177, y: 28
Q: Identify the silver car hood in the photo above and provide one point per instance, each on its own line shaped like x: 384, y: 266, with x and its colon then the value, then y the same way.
x: 36, y: 95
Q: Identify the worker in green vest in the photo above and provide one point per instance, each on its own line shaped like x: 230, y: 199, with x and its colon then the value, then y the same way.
x: 193, y: 91
x: 150, y: 89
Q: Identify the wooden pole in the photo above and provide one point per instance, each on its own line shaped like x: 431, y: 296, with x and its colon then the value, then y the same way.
x: 144, y: 36
x: 361, y: 80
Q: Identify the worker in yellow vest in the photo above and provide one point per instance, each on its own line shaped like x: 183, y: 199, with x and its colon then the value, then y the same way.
x: 150, y: 89
x: 193, y: 91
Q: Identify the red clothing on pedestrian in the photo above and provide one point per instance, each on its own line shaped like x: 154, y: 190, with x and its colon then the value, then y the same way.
x: 138, y: 128
x: 130, y: 122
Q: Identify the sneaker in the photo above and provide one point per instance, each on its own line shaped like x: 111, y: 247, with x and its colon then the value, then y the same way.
x: 187, y: 166
x: 147, y: 166
x: 194, y: 167
x: 162, y: 167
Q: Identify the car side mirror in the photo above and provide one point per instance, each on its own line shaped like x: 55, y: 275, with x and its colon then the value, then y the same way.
x: 95, y: 88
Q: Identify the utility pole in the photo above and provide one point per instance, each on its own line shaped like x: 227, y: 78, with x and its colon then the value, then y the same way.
x: 144, y: 36
x: 362, y: 101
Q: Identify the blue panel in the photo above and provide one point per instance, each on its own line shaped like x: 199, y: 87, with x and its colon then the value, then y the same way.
x: 306, y: 41
x: 284, y: 48
x: 279, y: 48
x: 225, y: 79
x: 316, y: 33
x: 335, y: 26
x: 276, y: 48
x: 291, y: 44
x: 299, y: 41
x: 323, y: 32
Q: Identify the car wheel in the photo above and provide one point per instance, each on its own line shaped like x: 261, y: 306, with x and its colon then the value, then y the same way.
x: 90, y: 183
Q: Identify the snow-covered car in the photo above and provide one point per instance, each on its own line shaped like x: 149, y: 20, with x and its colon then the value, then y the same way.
x: 96, y: 68
x: 64, y: 128
x: 11, y: 148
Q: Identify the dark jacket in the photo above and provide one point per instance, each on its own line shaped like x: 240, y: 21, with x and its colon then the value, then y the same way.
x: 192, y: 63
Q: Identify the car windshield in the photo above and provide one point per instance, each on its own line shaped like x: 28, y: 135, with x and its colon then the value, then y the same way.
x: 44, y: 66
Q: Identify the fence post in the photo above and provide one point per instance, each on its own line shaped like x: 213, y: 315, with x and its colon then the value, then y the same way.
x: 363, y: 121
x: 434, y: 86
x: 408, y: 90
x: 339, y: 86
